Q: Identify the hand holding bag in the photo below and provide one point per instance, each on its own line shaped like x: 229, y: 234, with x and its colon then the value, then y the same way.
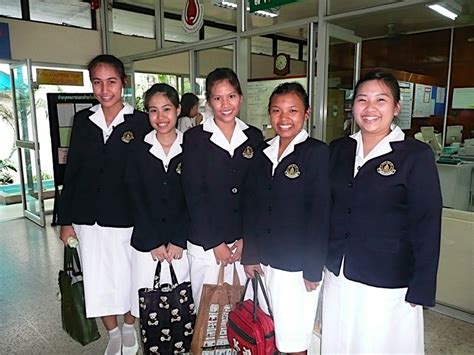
x: 73, y: 311
x: 167, y: 315
x: 250, y: 330
x: 210, y: 336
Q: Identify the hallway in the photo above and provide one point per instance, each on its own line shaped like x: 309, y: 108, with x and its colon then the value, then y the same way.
x: 30, y: 258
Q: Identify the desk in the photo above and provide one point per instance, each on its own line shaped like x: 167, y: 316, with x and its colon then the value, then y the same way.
x: 457, y: 185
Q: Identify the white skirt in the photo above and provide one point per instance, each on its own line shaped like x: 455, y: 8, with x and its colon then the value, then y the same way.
x: 360, y: 319
x: 294, y: 309
x: 143, y: 274
x: 106, y: 265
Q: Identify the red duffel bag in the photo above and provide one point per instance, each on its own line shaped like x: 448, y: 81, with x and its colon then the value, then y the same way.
x: 250, y: 330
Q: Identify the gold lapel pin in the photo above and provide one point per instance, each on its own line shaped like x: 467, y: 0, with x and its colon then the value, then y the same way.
x: 127, y: 136
x: 386, y: 168
x: 292, y: 171
x: 248, y: 152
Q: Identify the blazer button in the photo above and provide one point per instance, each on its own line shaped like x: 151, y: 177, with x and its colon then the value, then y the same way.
x: 234, y: 190
x: 164, y: 220
x: 269, y: 187
x: 346, y: 235
x: 101, y: 170
x: 349, y: 210
x: 350, y: 184
x: 98, y: 189
x: 234, y: 171
x: 269, y: 230
x: 269, y: 208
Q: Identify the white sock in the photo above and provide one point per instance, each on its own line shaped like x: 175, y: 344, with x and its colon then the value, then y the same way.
x: 114, y: 346
x: 128, y: 335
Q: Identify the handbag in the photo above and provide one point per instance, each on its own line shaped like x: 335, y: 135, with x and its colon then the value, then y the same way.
x: 210, y: 335
x: 73, y: 310
x: 167, y: 315
x: 250, y: 330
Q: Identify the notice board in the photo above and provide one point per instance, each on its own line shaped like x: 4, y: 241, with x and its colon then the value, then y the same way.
x: 61, y: 109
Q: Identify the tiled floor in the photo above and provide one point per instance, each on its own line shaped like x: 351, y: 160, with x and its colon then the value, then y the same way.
x: 30, y: 320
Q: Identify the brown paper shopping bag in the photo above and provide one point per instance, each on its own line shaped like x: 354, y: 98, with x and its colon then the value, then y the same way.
x: 210, y: 331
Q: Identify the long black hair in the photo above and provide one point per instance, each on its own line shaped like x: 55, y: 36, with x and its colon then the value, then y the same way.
x: 188, y: 101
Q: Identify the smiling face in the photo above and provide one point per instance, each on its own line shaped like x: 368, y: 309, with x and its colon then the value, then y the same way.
x: 107, y: 86
x: 162, y: 114
x: 287, y: 115
x: 374, y: 108
x: 224, y: 101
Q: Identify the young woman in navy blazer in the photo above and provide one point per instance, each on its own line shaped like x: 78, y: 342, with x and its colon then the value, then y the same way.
x: 385, y: 230
x: 286, y: 218
x: 216, y: 158
x: 153, y: 177
x: 94, y: 204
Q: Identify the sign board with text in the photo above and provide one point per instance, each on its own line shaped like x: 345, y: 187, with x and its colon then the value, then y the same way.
x: 256, y: 5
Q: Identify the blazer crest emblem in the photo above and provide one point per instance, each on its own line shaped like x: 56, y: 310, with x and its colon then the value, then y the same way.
x: 386, y: 168
x: 248, y: 152
x: 292, y: 171
x: 127, y: 136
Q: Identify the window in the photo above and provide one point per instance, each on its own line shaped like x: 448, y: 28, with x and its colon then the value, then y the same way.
x: 63, y: 12
x: 133, y: 23
x: 10, y: 8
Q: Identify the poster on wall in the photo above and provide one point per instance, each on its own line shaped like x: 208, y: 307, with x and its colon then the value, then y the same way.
x: 406, y: 96
x: 422, y: 106
x: 5, y: 50
x: 438, y: 96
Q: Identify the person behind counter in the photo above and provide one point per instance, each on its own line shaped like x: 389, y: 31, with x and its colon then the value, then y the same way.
x: 286, y: 218
x: 216, y: 158
x: 385, y: 230
x: 153, y: 176
x: 94, y: 205
x: 189, y: 116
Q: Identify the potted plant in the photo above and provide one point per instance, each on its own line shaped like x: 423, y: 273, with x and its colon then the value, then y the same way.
x: 6, y: 167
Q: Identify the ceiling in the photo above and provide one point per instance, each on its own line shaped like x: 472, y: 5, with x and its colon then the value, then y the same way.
x: 387, y: 23
x: 414, y: 18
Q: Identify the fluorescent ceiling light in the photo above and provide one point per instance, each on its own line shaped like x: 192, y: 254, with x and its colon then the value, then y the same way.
x: 232, y: 5
x: 450, y: 9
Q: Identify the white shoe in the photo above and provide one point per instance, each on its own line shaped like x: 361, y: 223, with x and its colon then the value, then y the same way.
x: 131, y: 350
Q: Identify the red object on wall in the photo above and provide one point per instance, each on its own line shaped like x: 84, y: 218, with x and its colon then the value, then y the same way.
x: 192, y: 10
x: 95, y: 4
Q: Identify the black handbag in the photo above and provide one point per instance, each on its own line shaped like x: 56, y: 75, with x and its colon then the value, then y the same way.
x: 167, y: 316
x: 73, y: 310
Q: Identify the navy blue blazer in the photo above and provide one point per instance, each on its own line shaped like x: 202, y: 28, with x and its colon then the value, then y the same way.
x: 157, y: 200
x: 286, y: 216
x: 94, y: 186
x: 386, y: 226
x: 212, y: 182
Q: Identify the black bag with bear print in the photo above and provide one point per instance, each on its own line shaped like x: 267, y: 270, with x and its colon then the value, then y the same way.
x: 167, y: 316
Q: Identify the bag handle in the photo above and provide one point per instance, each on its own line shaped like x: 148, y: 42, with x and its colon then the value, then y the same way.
x: 220, y: 277
x: 72, y: 263
x: 157, y: 282
x: 255, y: 282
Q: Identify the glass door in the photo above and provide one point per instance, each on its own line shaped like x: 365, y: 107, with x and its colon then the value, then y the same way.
x: 27, y: 142
x: 340, y: 69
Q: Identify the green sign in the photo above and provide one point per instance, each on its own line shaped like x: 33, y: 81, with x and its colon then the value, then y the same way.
x: 256, y: 5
